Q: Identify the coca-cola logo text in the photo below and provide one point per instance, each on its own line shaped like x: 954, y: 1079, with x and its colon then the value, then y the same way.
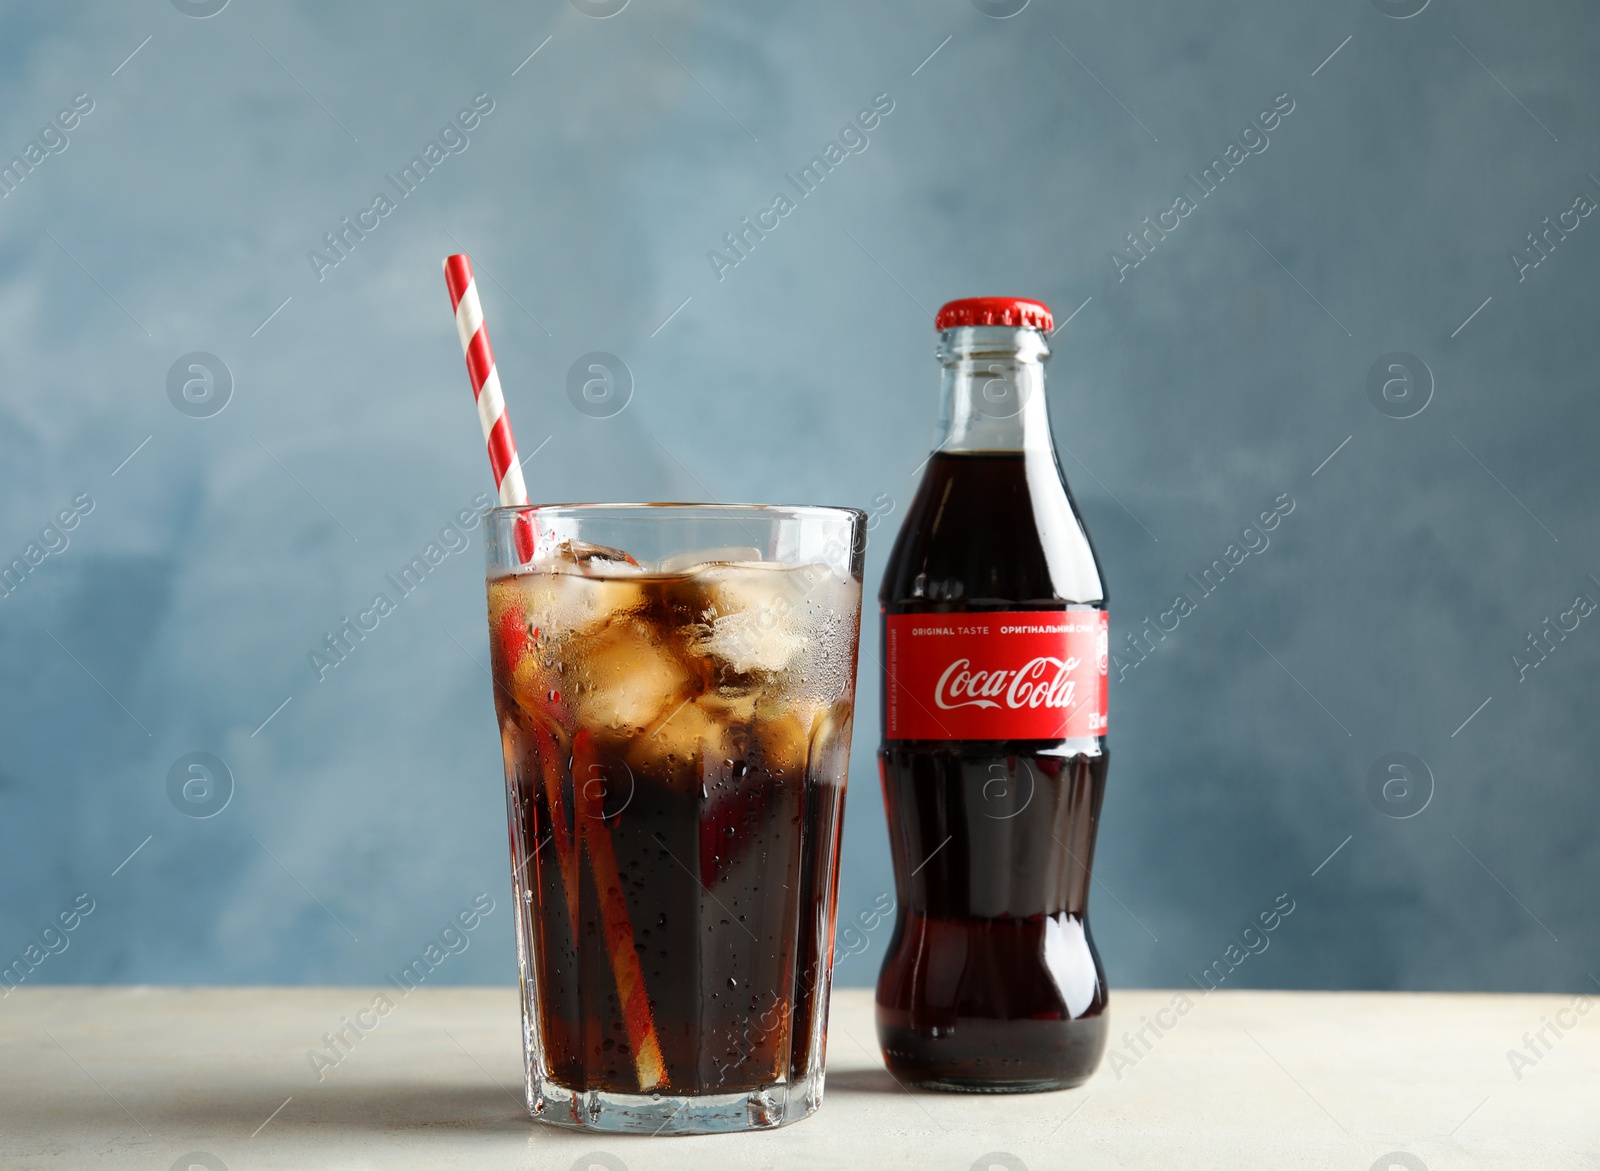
x: 998, y: 675
x: 1041, y: 682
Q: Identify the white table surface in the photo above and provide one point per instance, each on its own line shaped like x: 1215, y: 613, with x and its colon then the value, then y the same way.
x: 137, y: 1077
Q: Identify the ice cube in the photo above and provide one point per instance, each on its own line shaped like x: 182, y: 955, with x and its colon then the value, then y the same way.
x: 557, y: 603
x: 684, y: 745
x: 571, y: 556
x: 731, y: 704
x: 756, y: 616
x: 626, y: 677
x: 828, y: 757
x: 681, y: 562
x: 784, y: 742
x: 507, y: 614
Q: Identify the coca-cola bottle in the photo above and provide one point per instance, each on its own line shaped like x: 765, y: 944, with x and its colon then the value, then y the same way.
x: 994, y: 722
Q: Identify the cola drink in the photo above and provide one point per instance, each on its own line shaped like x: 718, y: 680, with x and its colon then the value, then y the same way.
x: 993, y: 754
x: 676, y: 736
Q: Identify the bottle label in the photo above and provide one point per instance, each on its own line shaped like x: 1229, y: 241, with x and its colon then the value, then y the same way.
x: 1006, y: 675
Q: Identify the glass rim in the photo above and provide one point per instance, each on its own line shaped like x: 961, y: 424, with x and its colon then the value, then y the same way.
x: 644, y: 509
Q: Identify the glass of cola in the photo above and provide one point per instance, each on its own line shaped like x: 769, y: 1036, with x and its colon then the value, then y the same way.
x: 675, y: 687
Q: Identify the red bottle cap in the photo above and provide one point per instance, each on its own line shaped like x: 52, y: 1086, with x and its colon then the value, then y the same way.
x: 1013, y: 311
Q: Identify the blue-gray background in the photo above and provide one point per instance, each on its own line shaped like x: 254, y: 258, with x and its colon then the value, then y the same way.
x: 1217, y: 375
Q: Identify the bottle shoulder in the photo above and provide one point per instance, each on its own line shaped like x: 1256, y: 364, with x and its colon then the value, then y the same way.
x: 988, y: 530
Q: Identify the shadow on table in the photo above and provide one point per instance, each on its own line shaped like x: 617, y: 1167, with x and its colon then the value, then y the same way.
x: 867, y: 1081
x: 391, y: 1108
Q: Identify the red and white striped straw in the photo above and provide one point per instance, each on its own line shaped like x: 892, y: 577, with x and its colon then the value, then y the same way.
x: 486, y: 389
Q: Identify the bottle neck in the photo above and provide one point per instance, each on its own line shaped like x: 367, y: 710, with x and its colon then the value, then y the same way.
x: 992, y: 390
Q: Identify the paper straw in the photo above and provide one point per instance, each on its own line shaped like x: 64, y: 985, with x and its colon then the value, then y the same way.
x: 486, y: 389
x: 594, y: 839
x: 643, y: 1042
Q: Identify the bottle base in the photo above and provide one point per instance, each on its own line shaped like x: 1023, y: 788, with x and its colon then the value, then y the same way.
x: 995, y: 1057
x: 951, y: 1086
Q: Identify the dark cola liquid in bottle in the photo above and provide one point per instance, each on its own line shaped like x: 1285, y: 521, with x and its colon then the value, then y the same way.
x: 994, y: 722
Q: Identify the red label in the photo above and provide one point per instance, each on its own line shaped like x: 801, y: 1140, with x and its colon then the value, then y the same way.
x: 1009, y: 675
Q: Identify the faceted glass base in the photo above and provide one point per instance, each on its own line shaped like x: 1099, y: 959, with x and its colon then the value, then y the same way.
x: 660, y: 1114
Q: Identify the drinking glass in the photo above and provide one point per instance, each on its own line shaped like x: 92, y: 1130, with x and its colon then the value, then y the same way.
x: 675, y: 687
